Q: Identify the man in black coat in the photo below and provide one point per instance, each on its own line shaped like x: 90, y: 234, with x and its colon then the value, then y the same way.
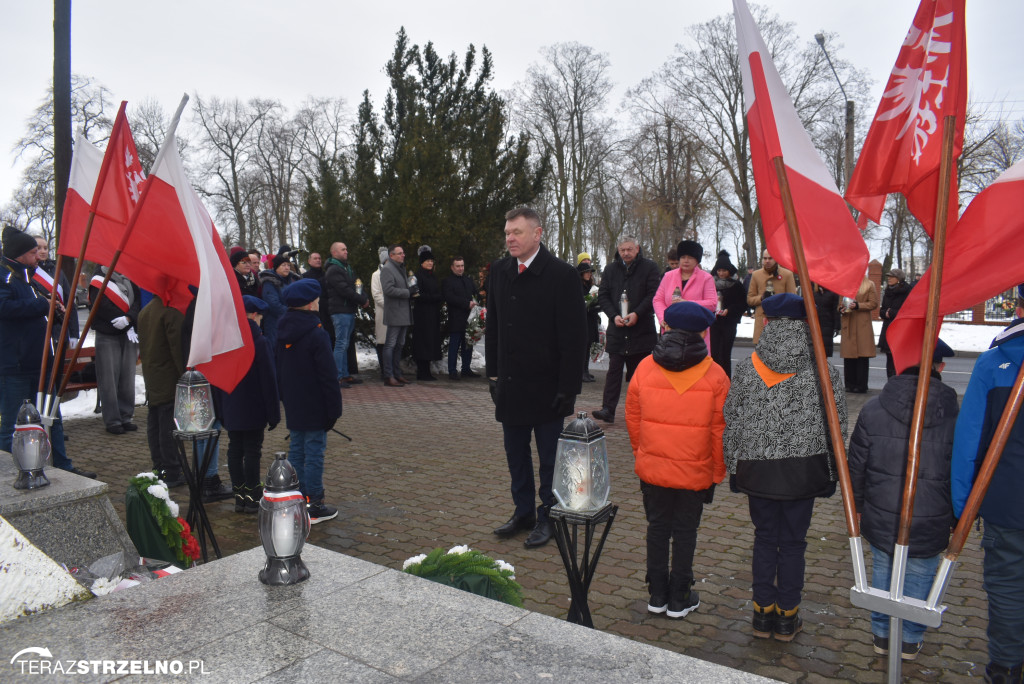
x: 459, y: 295
x: 631, y: 338
x: 534, y: 341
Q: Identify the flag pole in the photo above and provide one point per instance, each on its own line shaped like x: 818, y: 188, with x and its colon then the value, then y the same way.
x: 824, y: 378
x: 47, y: 342
x: 120, y: 247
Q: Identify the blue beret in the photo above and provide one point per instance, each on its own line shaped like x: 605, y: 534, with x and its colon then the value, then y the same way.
x: 253, y: 304
x: 786, y: 305
x: 942, y: 351
x: 301, y: 292
x: 688, y: 316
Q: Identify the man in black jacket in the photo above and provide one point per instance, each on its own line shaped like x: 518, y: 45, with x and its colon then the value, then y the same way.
x: 535, y: 339
x: 631, y: 338
x: 117, y: 348
x: 344, y: 299
x: 459, y: 295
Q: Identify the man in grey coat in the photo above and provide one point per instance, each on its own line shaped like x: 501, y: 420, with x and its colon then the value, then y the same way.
x: 398, y: 296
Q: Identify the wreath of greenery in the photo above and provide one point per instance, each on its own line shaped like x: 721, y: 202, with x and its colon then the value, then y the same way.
x: 461, y: 561
x: 174, y: 530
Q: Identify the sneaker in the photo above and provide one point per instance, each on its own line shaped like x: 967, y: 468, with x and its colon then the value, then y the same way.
x: 319, y: 511
x: 680, y: 608
x: 658, y: 604
x: 909, y: 651
x: 764, y: 621
x: 788, y: 624
x: 604, y: 414
x: 880, y: 644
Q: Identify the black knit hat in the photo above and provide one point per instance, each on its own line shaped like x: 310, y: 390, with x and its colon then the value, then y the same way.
x: 16, y: 243
x: 277, y: 261
x: 724, y: 262
x: 238, y: 256
x: 585, y: 268
x: 690, y: 248
x: 425, y: 254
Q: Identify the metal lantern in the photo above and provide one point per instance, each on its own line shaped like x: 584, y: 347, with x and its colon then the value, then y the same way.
x: 30, y: 448
x: 581, y: 466
x: 284, y: 525
x: 193, y: 403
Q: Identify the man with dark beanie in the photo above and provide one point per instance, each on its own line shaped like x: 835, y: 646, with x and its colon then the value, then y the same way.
x: 23, y: 311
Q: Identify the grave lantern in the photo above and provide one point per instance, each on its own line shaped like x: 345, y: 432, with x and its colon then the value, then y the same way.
x: 284, y: 525
x: 581, y: 466
x: 193, y: 403
x: 30, y: 447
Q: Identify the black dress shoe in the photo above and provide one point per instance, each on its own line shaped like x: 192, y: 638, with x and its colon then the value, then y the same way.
x: 514, y: 524
x: 129, y: 427
x: 352, y: 380
x: 115, y: 429
x: 470, y: 374
x: 604, y: 414
x: 587, y: 377
x: 540, y: 535
x: 84, y: 473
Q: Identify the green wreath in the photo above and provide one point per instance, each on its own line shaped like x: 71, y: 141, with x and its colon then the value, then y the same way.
x: 165, y: 512
x: 469, y: 570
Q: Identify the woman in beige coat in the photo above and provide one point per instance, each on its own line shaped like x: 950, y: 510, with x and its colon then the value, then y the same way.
x: 858, y: 341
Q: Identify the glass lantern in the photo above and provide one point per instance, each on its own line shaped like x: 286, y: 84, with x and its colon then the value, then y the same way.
x: 581, y: 466
x: 30, y: 447
x: 283, y: 524
x: 193, y: 403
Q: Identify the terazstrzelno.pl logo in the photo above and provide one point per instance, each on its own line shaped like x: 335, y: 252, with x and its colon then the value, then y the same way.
x: 40, y: 661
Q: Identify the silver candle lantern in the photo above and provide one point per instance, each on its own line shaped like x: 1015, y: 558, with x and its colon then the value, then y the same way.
x: 283, y: 524
x: 193, y: 403
x: 581, y: 466
x: 30, y: 447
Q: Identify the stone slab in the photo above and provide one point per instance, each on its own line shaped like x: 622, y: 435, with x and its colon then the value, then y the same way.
x: 351, y: 621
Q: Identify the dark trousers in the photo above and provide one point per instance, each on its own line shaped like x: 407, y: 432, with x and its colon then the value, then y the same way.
x: 245, y: 448
x: 855, y: 373
x: 457, y: 344
x: 672, y: 515
x: 163, y: 448
x: 780, y: 540
x: 890, y: 365
x: 1004, y: 584
x: 613, y: 381
x: 828, y: 337
x: 520, y: 464
x: 723, y: 335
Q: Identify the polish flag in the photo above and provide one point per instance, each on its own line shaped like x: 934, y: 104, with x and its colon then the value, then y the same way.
x: 171, y: 212
x: 837, y: 257
x: 85, y: 169
x: 902, y: 150
x: 985, y: 255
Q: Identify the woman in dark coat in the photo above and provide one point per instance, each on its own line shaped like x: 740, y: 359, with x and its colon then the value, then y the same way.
x: 896, y: 291
x: 426, y: 317
x: 829, y: 321
x: 593, y: 315
x: 732, y: 302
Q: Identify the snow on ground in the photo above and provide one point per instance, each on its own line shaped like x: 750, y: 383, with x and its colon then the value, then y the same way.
x: 960, y: 336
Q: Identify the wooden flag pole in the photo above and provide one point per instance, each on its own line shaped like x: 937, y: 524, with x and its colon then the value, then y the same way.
x: 824, y: 378
x: 47, y: 346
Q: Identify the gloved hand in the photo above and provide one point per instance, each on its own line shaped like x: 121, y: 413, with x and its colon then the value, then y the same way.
x: 564, y: 404
x: 492, y: 387
x: 414, y: 291
x: 121, y: 322
x: 271, y: 427
x: 765, y: 296
x: 330, y: 426
x: 709, y: 494
x: 132, y: 335
x: 733, y: 487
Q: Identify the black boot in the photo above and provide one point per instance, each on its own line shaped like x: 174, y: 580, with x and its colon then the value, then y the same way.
x: 239, y: 498
x: 788, y: 624
x: 764, y: 621
x: 214, y: 490
x: 253, y: 495
x: 657, y: 584
x: 997, y: 674
x: 682, y: 599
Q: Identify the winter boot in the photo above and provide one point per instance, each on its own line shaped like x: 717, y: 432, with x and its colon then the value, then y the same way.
x: 788, y: 623
x: 764, y: 621
x: 319, y: 511
x: 997, y: 674
x: 252, y: 498
x: 240, y: 498
x: 682, y: 600
x: 657, y: 584
x: 214, y: 490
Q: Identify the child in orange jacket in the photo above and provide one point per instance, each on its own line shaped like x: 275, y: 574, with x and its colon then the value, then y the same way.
x: 675, y: 421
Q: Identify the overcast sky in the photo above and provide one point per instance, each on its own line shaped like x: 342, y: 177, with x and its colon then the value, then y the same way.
x: 290, y: 50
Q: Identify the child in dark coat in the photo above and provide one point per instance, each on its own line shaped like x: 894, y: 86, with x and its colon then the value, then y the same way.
x: 308, y: 380
x: 247, y: 411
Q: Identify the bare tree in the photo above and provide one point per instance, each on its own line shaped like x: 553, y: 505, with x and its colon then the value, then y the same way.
x: 149, y: 123
x: 324, y: 125
x: 561, y: 104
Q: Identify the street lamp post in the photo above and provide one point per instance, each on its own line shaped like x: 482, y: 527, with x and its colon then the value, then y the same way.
x: 848, y: 161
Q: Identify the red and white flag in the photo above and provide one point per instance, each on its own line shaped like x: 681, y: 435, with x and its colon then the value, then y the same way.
x: 85, y: 170
x: 172, y: 212
x: 927, y: 84
x: 837, y: 257
x: 985, y: 255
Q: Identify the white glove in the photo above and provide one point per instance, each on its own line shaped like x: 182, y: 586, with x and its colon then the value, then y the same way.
x: 132, y: 335
x: 121, y: 322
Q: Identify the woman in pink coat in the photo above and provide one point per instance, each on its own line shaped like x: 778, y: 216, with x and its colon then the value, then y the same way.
x: 686, y: 283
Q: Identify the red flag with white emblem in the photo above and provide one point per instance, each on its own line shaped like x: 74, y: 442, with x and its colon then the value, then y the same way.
x: 902, y: 149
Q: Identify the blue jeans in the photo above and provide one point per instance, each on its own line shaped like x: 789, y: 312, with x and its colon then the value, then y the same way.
x: 520, y: 464
x: 343, y: 324
x: 15, y: 389
x: 916, y: 584
x: 456, y: 342
x: 211, y: 469
x: 392, y: 354
x: 1004, y: 584
x: 306, y: 454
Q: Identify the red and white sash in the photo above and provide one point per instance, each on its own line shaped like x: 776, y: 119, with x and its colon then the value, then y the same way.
x: 113, y: 292
x: 45, y: 280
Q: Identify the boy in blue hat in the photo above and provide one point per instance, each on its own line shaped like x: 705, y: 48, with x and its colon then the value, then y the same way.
x: 308, y: 381
x: 878, y: 459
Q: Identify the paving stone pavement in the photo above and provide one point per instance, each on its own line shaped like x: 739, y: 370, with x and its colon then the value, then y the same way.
x: 426, y: 468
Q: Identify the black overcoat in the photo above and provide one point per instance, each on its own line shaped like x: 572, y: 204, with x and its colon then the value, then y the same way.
x: 535, y: 337
x: 254, y: 403
x: 307, y: 377
x: 640, y: 281
x: 426, y: 318
x: 458, y: 292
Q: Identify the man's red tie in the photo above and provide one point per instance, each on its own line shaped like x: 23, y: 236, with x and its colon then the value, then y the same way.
x: 522, y: 267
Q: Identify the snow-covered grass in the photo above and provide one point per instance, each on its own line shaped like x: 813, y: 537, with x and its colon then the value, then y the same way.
x: 960, y: 336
